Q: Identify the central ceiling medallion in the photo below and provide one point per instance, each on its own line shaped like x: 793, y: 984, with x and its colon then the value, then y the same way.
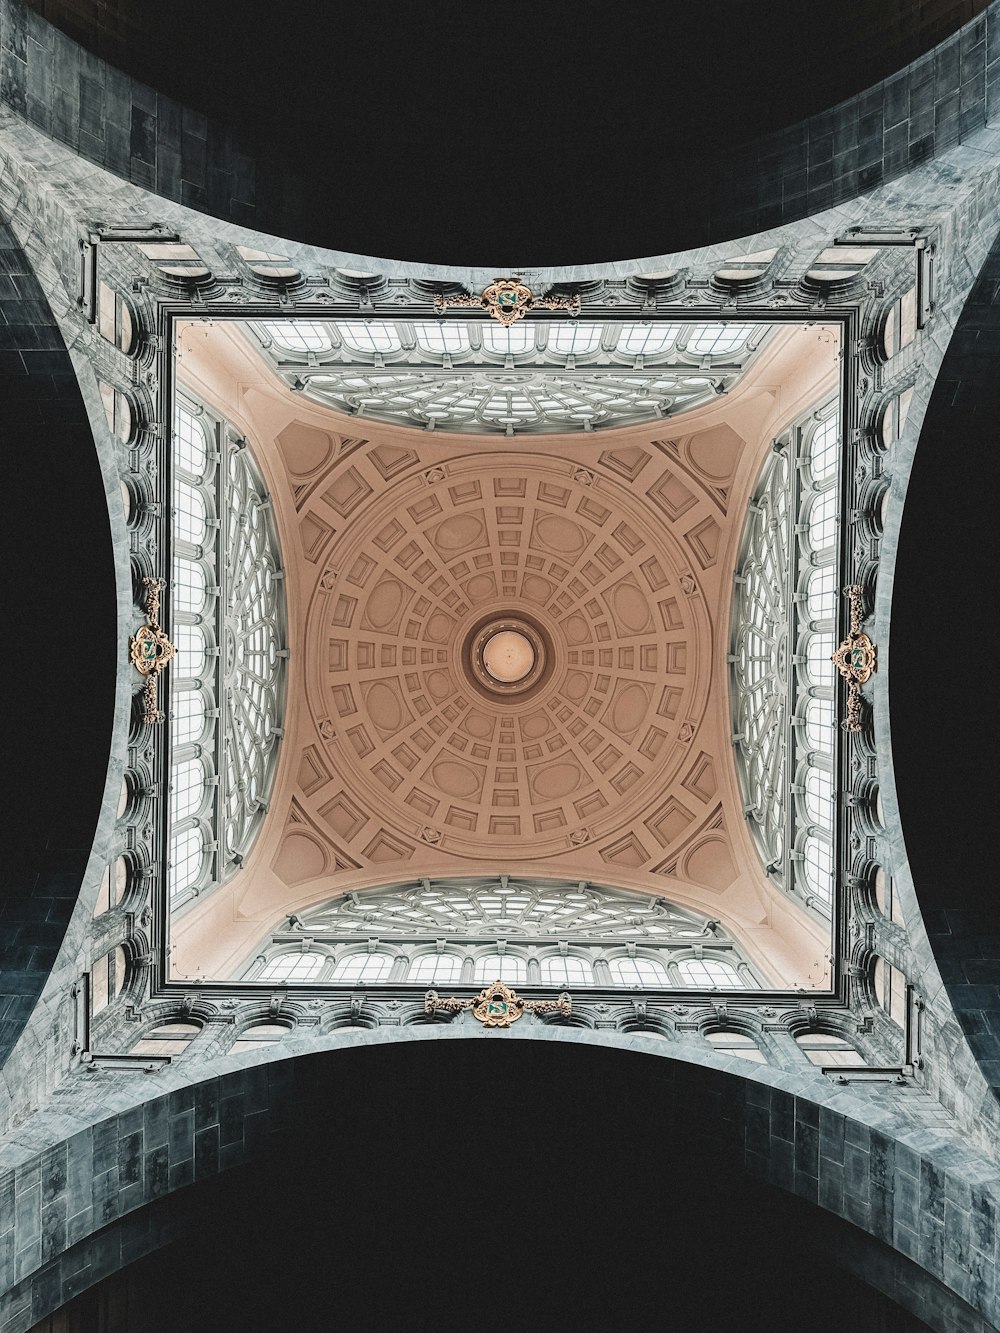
x: 508, y: 301
x: 508, y: 656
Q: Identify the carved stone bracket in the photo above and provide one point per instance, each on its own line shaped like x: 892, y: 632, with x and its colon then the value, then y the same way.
x: 508, y: 301
x: 497, y: 1005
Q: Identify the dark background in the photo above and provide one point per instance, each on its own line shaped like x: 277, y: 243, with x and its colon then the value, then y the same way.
x: 513, y: 134
x: 498, y: 1185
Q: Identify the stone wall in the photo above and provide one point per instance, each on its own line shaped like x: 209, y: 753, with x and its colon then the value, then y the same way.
x: 250, y: 177
x: 79, y: 1182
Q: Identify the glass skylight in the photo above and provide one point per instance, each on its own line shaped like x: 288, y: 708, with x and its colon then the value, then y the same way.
x: 475, y: 375
x: 554, y: 934
x: 782, y: 683
x: 226, y: 682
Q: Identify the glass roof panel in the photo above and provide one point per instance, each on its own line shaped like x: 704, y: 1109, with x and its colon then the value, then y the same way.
x: 536, y: 376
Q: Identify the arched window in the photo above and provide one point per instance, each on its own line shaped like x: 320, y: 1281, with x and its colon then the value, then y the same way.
x: 819, y: 798
x: 890, y: 990
x: 188, y: 587
x: 187, y: 715
x: 717, y: 339
x: 191, y: 651
x: 648, y: 339
x: 498, y: 921
x: 190, y: 444
x: 259, y: 1034
x: 501, y: 967
x: 571, y: 375
x: 227, y: 622
x: 886, y: 898
x: 288, y: 967
x: 738, y: 1044
x: 355, y: 967
x: 567, y: 970
x: 710, y: 973
x: 187, y: 850
x: 819, y: 648
x: 167, y: 1039
x: 435, y: 969
x: 369, y: 336
x: 823, y: 1048
x: 819, y: 865
x: 785, y: 612
x: 114, y: 319
x: 441, y: 337
x: 840, y: 263
x: 900, y: 327
x: 267, y: 265
x: 188, y: 789
x: 107, y: 979
x: 189, y: 513
x: 823, y: 520
x: 638, y: 972
x: 823, y: 454
x: 819, y: 725
x: 576, y: 338
x: 822, y: 592
x: 297, y: 335
x: 114, y: 883
x: 894, y: 417
x: 510, y: 341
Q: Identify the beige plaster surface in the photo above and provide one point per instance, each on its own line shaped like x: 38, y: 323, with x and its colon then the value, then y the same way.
x: 619, y: 544
x: 508, y: 656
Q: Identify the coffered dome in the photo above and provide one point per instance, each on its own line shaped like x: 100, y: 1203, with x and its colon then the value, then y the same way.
x: 507, y: 660
x: 600, y: 603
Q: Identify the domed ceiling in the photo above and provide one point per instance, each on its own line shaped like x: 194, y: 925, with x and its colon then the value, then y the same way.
x: 506, y: 655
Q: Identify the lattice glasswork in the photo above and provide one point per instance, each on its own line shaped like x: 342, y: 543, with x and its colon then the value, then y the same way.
x: 782, y: 685
x: 227, y: 688
x: 552, y: 934
x: 544, y: 376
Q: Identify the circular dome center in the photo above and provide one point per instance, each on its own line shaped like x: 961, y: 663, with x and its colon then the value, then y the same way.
x: 508, y: 656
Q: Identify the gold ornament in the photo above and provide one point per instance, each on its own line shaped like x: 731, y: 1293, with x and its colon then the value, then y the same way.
x: 498, y: 1006
x: 150, y: 650
x: 508, y: 301
x: 855, y: 659
x: 150, y: 703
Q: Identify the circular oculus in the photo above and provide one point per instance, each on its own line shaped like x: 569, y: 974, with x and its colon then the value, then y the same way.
x: 508, y: 656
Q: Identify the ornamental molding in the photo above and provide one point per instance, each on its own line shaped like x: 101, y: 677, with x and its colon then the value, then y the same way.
x: 158, y: 295
x: 498, y: 1006
x: 507, y: 300
x: 855, y: 659
x: 150, y: 650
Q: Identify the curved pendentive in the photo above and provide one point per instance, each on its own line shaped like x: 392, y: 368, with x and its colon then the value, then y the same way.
x: 60, y: 660
x: 726, y: 165
x: 944, y: 743
x: 837, y: 1153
